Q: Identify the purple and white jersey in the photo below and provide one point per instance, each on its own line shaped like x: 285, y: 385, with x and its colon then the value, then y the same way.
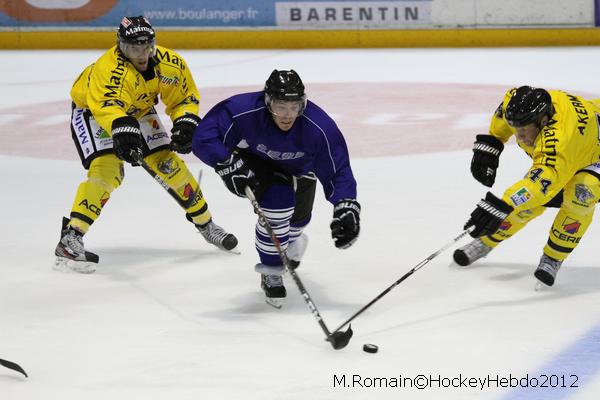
x: 313, y: 144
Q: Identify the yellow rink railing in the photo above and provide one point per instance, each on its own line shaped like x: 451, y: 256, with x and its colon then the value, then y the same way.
x: 295, y: 39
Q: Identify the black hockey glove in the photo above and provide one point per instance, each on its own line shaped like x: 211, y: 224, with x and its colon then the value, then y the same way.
x: 127, y: 137
x: 486, y: 155
x: 488, y: 215
x: 182, y: 132
x: 345, y: 226
x: 236, y: 175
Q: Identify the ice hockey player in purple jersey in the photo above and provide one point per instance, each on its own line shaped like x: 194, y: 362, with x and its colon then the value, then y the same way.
x: 278, y: 143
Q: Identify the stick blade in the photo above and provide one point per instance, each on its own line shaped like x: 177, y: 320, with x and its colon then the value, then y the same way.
x: 339, y: 340
x: 13, y: 366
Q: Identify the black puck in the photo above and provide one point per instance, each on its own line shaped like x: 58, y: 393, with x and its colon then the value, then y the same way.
x: 370, y: 348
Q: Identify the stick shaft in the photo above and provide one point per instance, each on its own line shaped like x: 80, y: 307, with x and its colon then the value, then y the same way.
x: 409, y: 273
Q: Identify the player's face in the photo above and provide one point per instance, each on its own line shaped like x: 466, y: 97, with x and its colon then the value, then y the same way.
x: 285, y: 113
x: 138, y: 54
x: 527, y: 134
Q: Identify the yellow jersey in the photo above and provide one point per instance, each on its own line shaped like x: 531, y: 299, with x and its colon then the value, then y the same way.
x: 112, y: 87
x: 569, y: 142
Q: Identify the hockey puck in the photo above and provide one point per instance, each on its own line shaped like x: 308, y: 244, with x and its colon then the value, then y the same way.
x: 370, y: 348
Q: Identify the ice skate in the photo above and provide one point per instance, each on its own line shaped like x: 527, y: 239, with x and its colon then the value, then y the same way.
x: 546, y: 271
x: 296, y: 250
x: 217, y: 236
x: 70, y: 253
x: 470, y: 253
x: 274, y: 290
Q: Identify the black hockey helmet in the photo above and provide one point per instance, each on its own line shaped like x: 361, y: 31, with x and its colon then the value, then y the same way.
x: 527, y: 106
x: 135, y: 30
x: 285, y: 86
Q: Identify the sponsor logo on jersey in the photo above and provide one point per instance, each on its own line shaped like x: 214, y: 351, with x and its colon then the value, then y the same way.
x: 156, y: 136
x: 155, y: 124
x: 571, y: 226
x: 549, y: 144
x: 168, y: 166
x: 115, y: 77
x: 520, y: 197
x: 90, y: 206
x: 104, y: 198
x: 188, y: 191
x: 505, y: 225
x: 583, y: 193
x: 166, y: 56
x: 564, y: 237
x: 168, y: 80
x: 278, y: 155
x: 101, y: 134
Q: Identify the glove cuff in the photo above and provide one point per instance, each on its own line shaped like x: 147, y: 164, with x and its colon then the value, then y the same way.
x: 501, y: 208
x: 347, y: 204
x: 125, y: 125
x: 190, y: 119
x: 488, y: 144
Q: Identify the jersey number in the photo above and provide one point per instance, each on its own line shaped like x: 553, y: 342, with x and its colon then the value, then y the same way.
x: 534, y: 176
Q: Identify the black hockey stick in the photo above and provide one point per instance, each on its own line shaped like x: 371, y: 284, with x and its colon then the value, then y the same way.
x: 13, y: 366
x: 338, y: 340
x: 185, y: 203
x: 409, y: 273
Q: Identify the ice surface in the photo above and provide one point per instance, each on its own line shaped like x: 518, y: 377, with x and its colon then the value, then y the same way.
x: 168, y: 316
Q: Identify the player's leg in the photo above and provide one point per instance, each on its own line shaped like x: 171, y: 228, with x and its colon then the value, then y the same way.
x: 572, y: 221
x: 481, y: 247
x: 305, y: 197
x: 105, y: 174
x: 173, y: 170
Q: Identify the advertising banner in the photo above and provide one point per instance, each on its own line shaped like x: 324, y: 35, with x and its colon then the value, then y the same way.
x: 294, y: 14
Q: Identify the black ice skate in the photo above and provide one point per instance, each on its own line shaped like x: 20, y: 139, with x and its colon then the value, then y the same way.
x: 547, y: 270
x: 274, y: 290
x: 217, y: 236
x: 70, y: 253
x: 470, y: 253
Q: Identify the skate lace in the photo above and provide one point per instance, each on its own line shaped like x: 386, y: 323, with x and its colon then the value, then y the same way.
x: 73, y: 242
x: 273, y: 280
x: 213, y: 233
x: 547, y: 263
x: 476, y: 249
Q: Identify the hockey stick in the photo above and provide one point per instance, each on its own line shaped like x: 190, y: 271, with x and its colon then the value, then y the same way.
x: 13, y: 366
x: 409, y: 273
x: 338, y: 340
x: 185, y: 203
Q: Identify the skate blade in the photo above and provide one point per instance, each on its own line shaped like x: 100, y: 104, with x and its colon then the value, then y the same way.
x: 540, y: 287
x: 275, y: 302
x: 233, y: 251
x: 62, y: 264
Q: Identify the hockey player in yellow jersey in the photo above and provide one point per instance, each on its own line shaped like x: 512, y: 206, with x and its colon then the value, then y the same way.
x: 559, y: 131
x: 114, y: 120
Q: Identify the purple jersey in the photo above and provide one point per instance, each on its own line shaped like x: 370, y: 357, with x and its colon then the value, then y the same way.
x: 313, y: 144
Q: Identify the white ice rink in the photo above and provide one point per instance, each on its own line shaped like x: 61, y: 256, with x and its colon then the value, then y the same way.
x: 166, y: 316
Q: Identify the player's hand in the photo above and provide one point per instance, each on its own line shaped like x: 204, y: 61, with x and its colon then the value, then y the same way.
x: 345, y: 226
x: 236, y: 175
x: 182, y: 133
x: 486, y: 155
x: 127, y: 138
x: 488, y: 215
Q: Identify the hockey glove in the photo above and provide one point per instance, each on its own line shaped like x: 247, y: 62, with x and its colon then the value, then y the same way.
x: 345, y: 226
x: 182, y: 132
x: 236, y: 175
x: 127, y: 137
x: 488, y: 216
x: 486, y: 155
